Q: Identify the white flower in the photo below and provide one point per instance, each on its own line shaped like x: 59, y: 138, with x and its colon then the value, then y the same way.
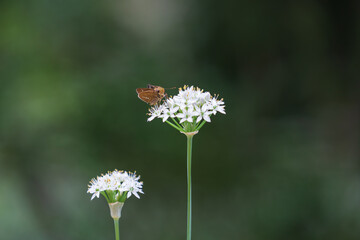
x: 189, y: 103
x: 170, y: 103
x: 169, y: 113
x: 133, y: 186
x: 94, y: 188
x: 120, y: 176
x: 216, y: 106
x: 155, y: 112
x: 186, y: 115
x: 202, y: 113
x: 118, y: 182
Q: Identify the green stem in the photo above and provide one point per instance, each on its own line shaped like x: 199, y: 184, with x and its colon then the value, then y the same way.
x: 199, y: 126
x: 189, y: 150
x: 116, y: 225
x: 104, y: 194
x: 173, y: 125
x: 176, y: 123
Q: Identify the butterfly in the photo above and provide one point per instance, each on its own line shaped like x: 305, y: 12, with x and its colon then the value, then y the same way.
x: 152, y: 94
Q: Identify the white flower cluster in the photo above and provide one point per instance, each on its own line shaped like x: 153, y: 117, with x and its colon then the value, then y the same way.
x: 190, y: 105
x: 118, y: 181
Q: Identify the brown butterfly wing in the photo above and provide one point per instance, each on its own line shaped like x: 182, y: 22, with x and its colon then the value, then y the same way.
x: 155, y: 100
x: 140, y: 90
x: 148, y: 95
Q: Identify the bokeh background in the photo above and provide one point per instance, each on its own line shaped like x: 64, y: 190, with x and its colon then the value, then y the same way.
x: 283, y: 163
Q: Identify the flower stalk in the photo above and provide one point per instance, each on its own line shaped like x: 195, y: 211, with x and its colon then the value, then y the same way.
x: 189, y: 192
x: 116, y: 226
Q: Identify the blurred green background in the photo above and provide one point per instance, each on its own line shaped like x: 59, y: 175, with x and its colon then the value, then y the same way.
x: 282, y: 164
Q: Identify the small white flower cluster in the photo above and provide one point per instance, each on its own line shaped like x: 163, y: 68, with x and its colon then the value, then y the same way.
x: 118, y: 181
x: 190, y: 105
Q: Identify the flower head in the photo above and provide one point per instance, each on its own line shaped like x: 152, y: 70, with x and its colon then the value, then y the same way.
x: 115, y: 186
x: 189, y: 109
